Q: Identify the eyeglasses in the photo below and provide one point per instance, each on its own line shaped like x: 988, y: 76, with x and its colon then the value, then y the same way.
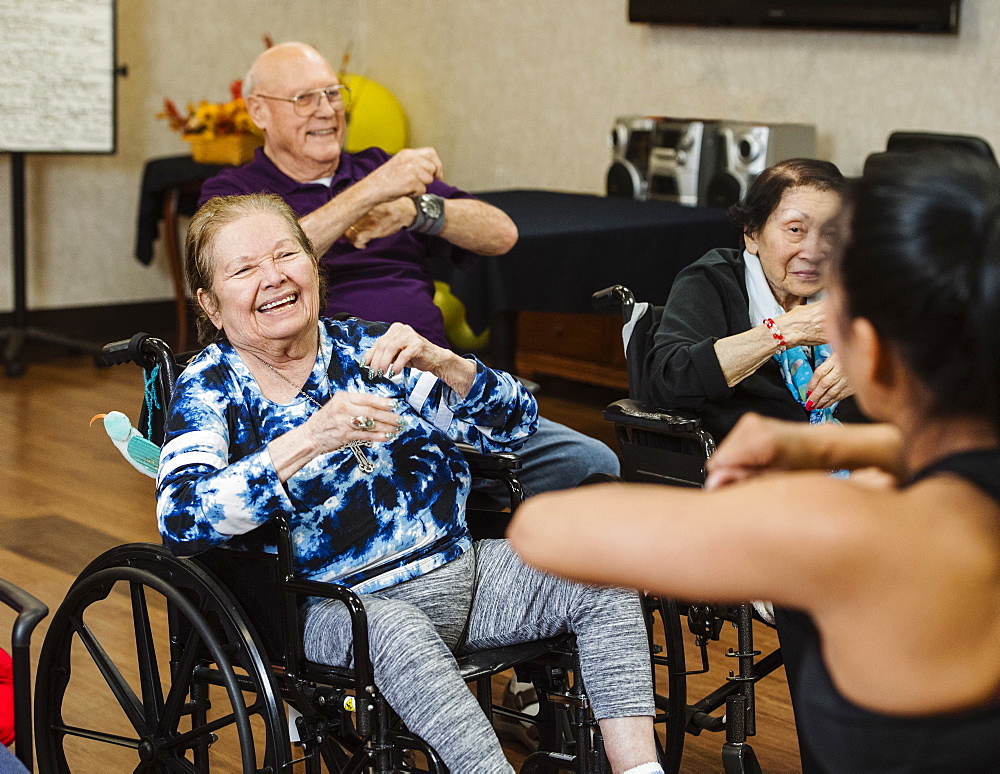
x: 307, y: 103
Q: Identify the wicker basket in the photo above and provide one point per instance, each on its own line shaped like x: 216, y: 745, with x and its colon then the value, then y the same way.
x: 232, y: 149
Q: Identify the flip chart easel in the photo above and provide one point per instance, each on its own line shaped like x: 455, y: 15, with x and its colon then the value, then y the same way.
x: 57, y: 95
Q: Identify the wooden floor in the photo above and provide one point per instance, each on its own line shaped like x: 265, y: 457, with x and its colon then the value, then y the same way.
x: 66, y: 495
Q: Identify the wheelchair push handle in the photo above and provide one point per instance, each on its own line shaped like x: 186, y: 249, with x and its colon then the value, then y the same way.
x: 115, y: 353
x: 615, y: 297
x: 142, y: 349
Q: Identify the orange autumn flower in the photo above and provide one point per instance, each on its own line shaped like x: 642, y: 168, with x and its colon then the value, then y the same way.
x: 211, y: 119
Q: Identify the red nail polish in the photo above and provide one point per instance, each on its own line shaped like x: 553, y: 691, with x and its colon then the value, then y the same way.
x: 808, y: 393
x: 809, y: 405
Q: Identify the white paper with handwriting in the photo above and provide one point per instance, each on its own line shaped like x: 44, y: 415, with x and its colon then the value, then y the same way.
x: 57, y: 76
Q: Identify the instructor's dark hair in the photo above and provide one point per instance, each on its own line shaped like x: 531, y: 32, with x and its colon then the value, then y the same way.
x: 923, y: 266
x: 766, y: 190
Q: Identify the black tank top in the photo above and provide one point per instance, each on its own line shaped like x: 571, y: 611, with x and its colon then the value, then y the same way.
x: 836, y: 735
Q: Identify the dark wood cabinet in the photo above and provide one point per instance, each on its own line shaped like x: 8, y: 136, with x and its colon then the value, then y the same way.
x: 582, y: 347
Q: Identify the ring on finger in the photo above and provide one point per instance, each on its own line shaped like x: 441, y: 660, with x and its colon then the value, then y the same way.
x: 369, y: 423
x: 360, y: 422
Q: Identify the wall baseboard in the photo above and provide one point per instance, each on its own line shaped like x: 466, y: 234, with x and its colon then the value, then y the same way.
x: 101, y: 324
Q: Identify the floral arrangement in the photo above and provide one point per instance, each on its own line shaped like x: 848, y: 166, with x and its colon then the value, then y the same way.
x: 218, y: 133
x: 209, y: 119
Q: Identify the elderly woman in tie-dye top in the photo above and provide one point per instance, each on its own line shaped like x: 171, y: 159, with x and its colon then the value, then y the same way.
x: 347, y: 429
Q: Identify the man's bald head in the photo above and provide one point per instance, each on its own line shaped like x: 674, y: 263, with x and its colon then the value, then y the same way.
x: 280, y: 64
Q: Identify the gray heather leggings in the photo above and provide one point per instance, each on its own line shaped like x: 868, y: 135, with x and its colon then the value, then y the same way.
x: 414, y: 626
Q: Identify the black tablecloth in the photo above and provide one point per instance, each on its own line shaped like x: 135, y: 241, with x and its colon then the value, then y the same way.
x: 569, y: 246
x: 572, y: 245
x: 158, y: 176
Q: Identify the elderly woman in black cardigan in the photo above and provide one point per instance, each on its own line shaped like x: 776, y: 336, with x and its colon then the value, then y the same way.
x: 743, y: 328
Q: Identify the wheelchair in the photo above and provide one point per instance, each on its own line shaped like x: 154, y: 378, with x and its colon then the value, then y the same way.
x: 671, y: 447
x: 218, y: 657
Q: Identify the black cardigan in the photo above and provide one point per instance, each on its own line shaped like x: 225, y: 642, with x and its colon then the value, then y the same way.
x: 708, y: 302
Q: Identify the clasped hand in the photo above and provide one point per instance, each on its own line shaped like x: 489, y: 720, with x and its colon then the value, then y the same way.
x: 406, y: 174
x: 402, y: 346
x: 342, y: 419
x: 758, y: 445
x: 755, y: 445
x: 805, y: 326
x: 829, y: 383
x: 354, y: 416
x: 381, y: 221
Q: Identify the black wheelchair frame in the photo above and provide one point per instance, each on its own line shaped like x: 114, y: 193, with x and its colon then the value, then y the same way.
x: 671, y: 447
x: 233, y: 623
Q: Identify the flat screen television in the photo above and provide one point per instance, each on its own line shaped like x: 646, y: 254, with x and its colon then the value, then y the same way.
x: 933, y: 16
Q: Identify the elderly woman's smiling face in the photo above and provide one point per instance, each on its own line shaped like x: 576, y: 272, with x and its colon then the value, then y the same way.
x: 797, y: 239
x: 265, y: 288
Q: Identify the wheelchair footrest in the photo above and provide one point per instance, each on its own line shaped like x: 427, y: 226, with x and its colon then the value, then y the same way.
x: 698, y: 721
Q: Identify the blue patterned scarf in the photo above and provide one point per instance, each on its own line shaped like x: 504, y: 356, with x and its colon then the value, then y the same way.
x: 797, y: 363
x: 798, y: 372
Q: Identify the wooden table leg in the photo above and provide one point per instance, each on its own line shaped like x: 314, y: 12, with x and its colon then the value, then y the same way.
x: 171, y: 198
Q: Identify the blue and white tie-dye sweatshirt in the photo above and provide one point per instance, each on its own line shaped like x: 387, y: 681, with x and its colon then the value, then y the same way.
x: 368, y: 531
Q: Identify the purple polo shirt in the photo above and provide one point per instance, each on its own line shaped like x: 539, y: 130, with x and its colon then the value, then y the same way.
x: 388, y: 280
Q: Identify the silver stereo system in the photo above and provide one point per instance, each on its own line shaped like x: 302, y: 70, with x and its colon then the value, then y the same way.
x: 660, y: 158
x: 631, y: 143
x: 747, y: 149
x: 697, y: 161
x: 683, y: 149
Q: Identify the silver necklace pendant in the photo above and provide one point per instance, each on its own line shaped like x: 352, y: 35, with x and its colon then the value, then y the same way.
x: 364, y: 463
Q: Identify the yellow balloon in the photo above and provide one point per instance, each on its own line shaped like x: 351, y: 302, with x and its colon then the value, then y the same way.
x: 456, y: 327
x: 375, y: 118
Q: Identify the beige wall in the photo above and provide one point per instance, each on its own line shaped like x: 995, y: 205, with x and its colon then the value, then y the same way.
x: 512, y: 93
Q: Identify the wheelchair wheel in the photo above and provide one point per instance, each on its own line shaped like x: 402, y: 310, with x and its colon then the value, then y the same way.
x: 672, y: 707
x: 189, y: 690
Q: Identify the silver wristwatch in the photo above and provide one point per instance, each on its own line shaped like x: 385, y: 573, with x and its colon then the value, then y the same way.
x: 430, y: 215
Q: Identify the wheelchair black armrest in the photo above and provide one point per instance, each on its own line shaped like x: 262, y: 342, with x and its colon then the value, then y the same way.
x: 29, y: 612
x: 484, y: 464
x: 641, y: 415
x: 293, y: 588
x: 494, y: 466
x: 364, y: 672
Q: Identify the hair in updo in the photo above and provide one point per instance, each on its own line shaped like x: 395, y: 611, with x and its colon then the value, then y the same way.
x: 769, y: 186
x: 923, y: 266
x: 204, y: 229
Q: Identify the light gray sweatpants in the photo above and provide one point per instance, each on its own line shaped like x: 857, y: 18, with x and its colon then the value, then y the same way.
x: 414, y: 627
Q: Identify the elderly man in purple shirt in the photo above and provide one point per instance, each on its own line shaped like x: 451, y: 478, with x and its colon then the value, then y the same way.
x: 377, y: 220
